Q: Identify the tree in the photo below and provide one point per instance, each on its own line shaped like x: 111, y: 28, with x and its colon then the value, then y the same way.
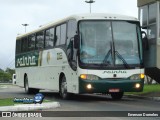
x: 1, y: 70
x: 6, y: 76
x: 10, y: 71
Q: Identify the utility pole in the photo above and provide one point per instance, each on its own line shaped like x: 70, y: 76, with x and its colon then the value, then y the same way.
x: 90, y: 2
x: 25, y: 25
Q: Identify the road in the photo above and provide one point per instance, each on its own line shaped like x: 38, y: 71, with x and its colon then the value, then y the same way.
x: 86, y: 102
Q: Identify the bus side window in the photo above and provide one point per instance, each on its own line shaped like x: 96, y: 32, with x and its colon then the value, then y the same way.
x: 49, y: 38
x: 31, y: 42
x: 71, y: 32
x: 18, y: 46
x: 24, y: 44
x: 63, y: 34
x: 58, y: 36
x: 72, y: 27
x: 40, y: 40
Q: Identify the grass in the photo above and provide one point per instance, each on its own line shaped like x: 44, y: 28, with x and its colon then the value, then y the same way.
x: 10, y: 102
x: 6, y: 102
x: 148, y: 89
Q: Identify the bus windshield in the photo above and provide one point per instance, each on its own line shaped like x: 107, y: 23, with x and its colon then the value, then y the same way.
x: 110, y: 43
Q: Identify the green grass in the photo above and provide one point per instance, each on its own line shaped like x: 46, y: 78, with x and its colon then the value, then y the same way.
x: 6, y: 102
x: 148, y: 89
x: 9, y: 102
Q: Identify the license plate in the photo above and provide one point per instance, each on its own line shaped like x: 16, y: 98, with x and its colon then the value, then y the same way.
x: 114, y: 90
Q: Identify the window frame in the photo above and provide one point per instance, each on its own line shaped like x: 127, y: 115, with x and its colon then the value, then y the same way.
x: 31, y: 35
x: 22, y: 50
x: 49, y: 37
x: 18, y: 46
x: 60, y: 33
x: 36, y: 35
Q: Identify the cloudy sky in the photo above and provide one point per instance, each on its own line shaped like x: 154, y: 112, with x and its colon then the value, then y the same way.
x: 13, y: 13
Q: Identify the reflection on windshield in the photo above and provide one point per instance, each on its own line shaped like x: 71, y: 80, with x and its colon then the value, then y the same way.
x: 125, y: 41
x: 96, y: 37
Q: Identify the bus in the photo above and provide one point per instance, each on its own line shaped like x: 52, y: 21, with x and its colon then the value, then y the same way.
x: 85, y: 53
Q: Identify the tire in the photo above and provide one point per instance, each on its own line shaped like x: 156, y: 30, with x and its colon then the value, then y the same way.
x: 29, y: 90
x: 117, y: 96
x: 63, y: 89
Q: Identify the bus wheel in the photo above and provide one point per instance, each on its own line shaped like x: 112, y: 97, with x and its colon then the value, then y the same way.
x: 117, y: 96
x: 63, y: 88
x: 29, y: 90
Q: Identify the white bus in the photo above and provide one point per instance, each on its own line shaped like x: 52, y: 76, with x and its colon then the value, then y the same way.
x: 87, y: 53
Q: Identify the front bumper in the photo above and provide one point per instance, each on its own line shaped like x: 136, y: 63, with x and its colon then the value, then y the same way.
x: 103, y: 86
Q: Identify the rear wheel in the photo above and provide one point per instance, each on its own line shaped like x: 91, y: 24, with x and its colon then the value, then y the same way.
x: 117, y: 96
x: 29, y: 90
x: 63, y: 88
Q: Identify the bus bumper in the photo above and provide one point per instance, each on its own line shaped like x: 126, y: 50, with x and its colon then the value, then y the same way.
x: 106, y: 86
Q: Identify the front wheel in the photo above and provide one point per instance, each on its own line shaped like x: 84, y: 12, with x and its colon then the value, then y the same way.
x: 117, y: 96
x: 63, y: 88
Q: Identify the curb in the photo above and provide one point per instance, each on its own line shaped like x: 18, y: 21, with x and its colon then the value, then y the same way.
x: 30, y: 107
x: 143, y: 97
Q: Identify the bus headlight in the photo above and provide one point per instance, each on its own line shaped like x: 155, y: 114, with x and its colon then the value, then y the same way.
x: 89, y: 86
x: 89, y: 77
x: 137, y: 76
x: 137, y: 85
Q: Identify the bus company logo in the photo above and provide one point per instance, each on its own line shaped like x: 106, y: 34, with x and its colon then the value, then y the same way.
x: 26, y: 61
x: 59, y: 56
x: 114, y: 71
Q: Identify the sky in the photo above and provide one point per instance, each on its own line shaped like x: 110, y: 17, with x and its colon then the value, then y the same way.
x: 14, y: 13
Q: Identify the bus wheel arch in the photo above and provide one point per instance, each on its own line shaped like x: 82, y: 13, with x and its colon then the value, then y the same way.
x: 25, y: 75
x: 63, y: 86
x: 29, y: 90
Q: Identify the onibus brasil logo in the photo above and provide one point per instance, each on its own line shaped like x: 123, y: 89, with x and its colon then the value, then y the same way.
x: 38, y: 98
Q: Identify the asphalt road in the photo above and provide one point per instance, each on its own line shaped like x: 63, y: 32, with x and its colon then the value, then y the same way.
x: 87, y: 102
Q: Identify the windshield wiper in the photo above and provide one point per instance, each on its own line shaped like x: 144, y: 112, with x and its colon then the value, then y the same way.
x: 124, y: 61
x: 106, y: 57
x: 105, y: 62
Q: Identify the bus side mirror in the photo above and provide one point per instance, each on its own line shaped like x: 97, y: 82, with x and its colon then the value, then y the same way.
x: 145, y: 41
x: 76, y: 41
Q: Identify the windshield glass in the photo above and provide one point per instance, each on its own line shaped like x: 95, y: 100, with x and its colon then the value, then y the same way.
x: 126, y: 42
x: 109, y: 42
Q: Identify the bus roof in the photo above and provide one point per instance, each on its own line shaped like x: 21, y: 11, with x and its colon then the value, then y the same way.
x: 93, y: 16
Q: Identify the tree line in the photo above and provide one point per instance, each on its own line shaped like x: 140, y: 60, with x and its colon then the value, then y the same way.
x: 6, y: 75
